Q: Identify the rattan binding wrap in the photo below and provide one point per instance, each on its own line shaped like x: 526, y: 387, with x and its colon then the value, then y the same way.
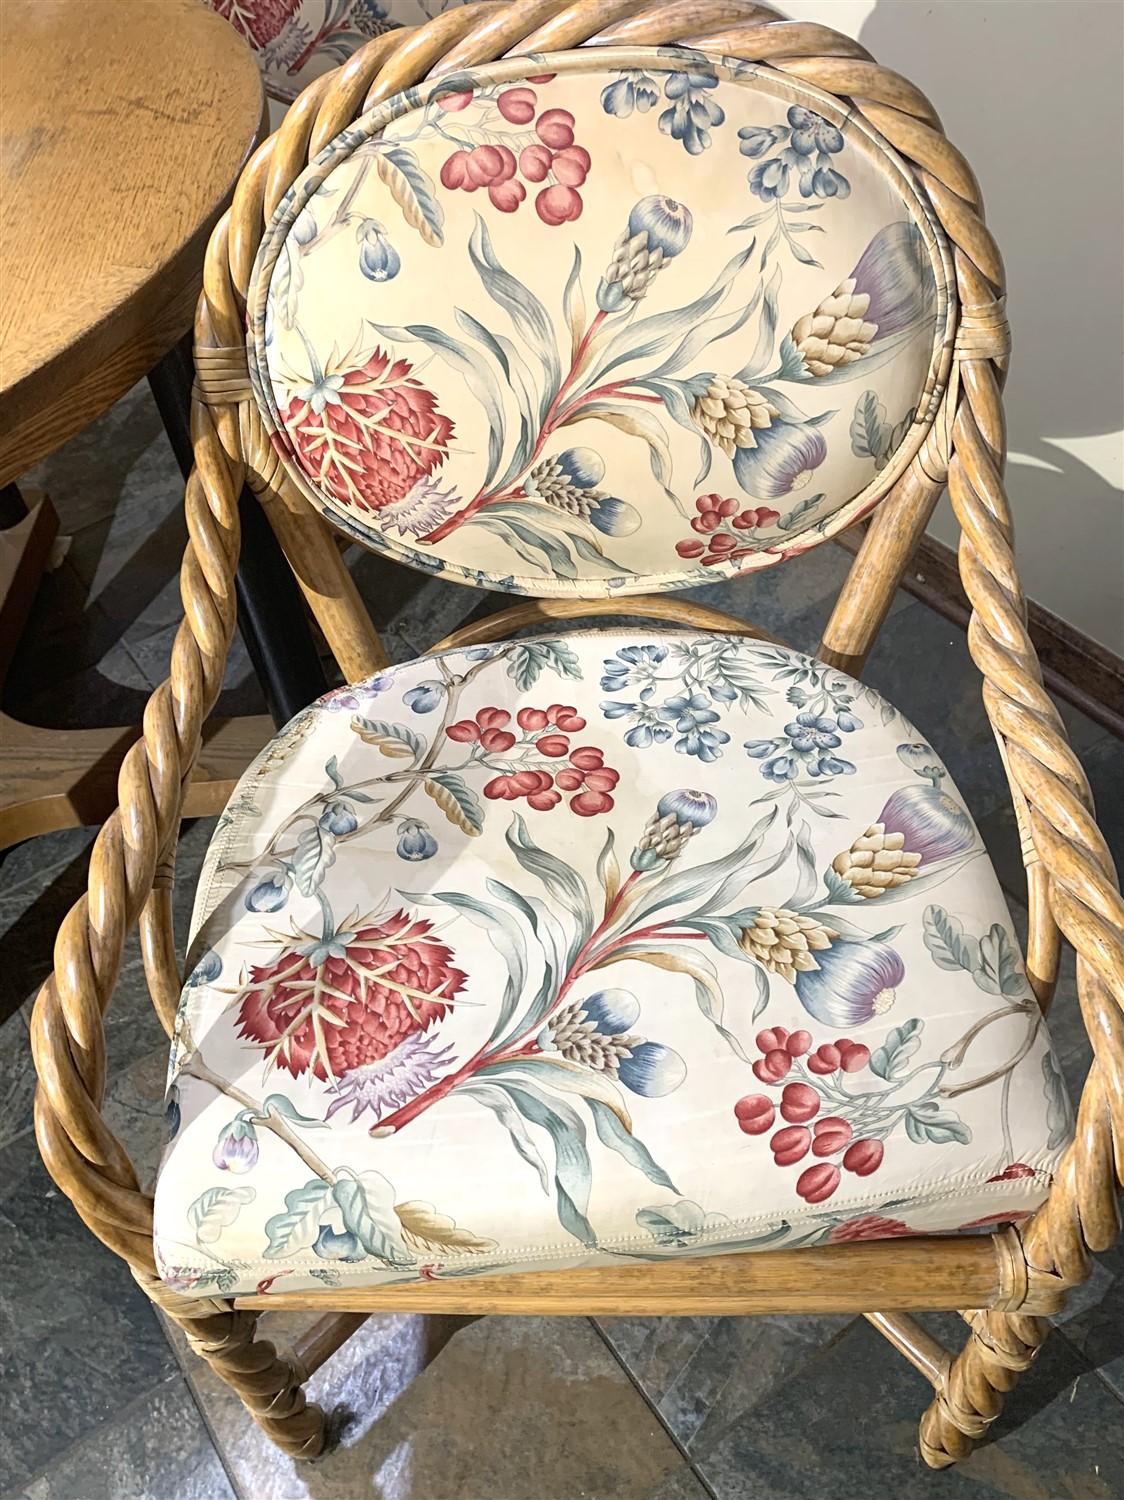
x: 1072, y: 878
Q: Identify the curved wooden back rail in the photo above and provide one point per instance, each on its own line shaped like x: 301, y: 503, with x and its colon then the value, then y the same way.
x: 1073, y: 886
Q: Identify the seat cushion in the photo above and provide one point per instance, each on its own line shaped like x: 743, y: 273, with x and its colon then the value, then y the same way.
x: 544, y: 952
x: 615, y: 319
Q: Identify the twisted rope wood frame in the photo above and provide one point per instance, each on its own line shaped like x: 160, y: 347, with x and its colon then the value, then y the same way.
x: 1073, y: 889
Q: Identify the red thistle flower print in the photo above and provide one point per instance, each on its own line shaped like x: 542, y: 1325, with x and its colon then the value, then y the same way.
x: 260, y: 22
x: 867, y: 1227
x: 376, y: 989
x: 367, y: 435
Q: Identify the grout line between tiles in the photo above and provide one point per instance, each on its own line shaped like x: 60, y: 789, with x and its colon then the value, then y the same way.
x: 642, y: 1393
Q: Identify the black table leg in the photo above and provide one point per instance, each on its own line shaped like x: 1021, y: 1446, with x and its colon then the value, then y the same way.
x: 271, y: 609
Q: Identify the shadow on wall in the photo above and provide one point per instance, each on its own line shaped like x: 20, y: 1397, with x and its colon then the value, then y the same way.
x: 1031, y: 94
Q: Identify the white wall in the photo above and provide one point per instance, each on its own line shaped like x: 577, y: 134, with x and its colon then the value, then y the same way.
x: 1030, y: 90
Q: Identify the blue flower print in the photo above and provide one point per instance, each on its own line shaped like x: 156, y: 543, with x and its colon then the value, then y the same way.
x: 268, y: 895
x: 415, y: 842
x: 807, y: 142
x: 339, y: 818
x: 769, y: 179
x: 691, y: 112
x: 811, y: 132
x: 648, y: 728
x: 597, y: 1033
x: 691, y: 715
x: 378, y: 259
x: 806, y: 745
x: 631, y: 91
x: 619, y: 669
x: 424, y: 698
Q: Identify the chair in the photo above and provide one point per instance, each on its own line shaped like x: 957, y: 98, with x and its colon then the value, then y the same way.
x: 385, y: 985
x: 297, y: 40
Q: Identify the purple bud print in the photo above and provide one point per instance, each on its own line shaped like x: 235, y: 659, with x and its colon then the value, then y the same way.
x: 236, y: 1149
x: 931, y: 823
x: 894, y: 272
x: 853, y: 983
x: 784, y: 459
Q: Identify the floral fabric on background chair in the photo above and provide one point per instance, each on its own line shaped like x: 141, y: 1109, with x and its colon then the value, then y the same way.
x: 480, y: 985
x: 297, y: 40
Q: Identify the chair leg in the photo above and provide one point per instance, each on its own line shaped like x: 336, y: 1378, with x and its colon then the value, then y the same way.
x: 1000, y: 1346
x: 267, y: 1384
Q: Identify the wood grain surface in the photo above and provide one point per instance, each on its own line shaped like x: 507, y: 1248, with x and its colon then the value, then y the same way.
x: 123, y: 127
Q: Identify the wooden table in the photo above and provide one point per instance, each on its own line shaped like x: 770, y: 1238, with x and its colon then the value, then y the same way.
x: 123, y: 127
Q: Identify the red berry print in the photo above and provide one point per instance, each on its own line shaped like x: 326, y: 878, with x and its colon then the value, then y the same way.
x: 507, y: 196
x: 540, y: 152
x: 819, y: 1111
x: 790, y: 1144
x: 755, y: 1114
x: 817, y: 1183
x: 863, y: 1158
x: 571, y: 165
x: 832, y: 1135
x: 534, y: 162
x: 853, y: 1056
x: 555, y: 128
x: 799, y: 1103
x: 773, y: 1066
x: 558, y: 204
x: 725, y: 524
x: 825, y: 1059
x: 517, y: 105
x: 523, y: 760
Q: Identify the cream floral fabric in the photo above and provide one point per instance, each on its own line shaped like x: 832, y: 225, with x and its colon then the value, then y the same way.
x: 587, y: 947
x: 607, y: 322
x: 297, y: 40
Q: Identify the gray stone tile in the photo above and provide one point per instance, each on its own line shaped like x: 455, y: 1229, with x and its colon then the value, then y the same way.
x: 85, y: 477
x: 30, y: 914
x: 741, y: 1362
x: 157, y: 1449
x: 1103, y: 760
x: 793, y: 600
x: 1094, y: 1320
x: 412, y: 610
x: 681, y: 1484
x: 78, y: 1338
x: 846, y: 1424
x: 511, y: 1408
x: 702, y: 1374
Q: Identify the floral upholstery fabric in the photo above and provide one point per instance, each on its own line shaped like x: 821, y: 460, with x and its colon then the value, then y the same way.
x: 297, y: 40
x: 600, y: 324
x: 610, y: 944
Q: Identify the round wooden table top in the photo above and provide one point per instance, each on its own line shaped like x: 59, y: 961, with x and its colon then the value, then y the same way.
x: 123, y: 127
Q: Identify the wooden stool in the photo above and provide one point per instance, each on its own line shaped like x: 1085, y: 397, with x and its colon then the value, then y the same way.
x: 125, y: 128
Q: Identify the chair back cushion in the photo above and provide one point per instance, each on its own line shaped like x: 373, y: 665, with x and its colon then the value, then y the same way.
x: 601, y: 321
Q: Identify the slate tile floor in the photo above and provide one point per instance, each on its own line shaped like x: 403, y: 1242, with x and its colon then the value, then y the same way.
x: 103, y: 1402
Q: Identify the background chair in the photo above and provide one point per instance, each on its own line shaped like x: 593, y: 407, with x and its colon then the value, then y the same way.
x: 1010, y: 1281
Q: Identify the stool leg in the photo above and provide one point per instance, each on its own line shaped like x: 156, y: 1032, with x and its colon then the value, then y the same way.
x: 271, y: 612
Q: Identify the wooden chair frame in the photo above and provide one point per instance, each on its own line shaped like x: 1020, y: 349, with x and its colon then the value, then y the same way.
x: 1009, y: 1282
